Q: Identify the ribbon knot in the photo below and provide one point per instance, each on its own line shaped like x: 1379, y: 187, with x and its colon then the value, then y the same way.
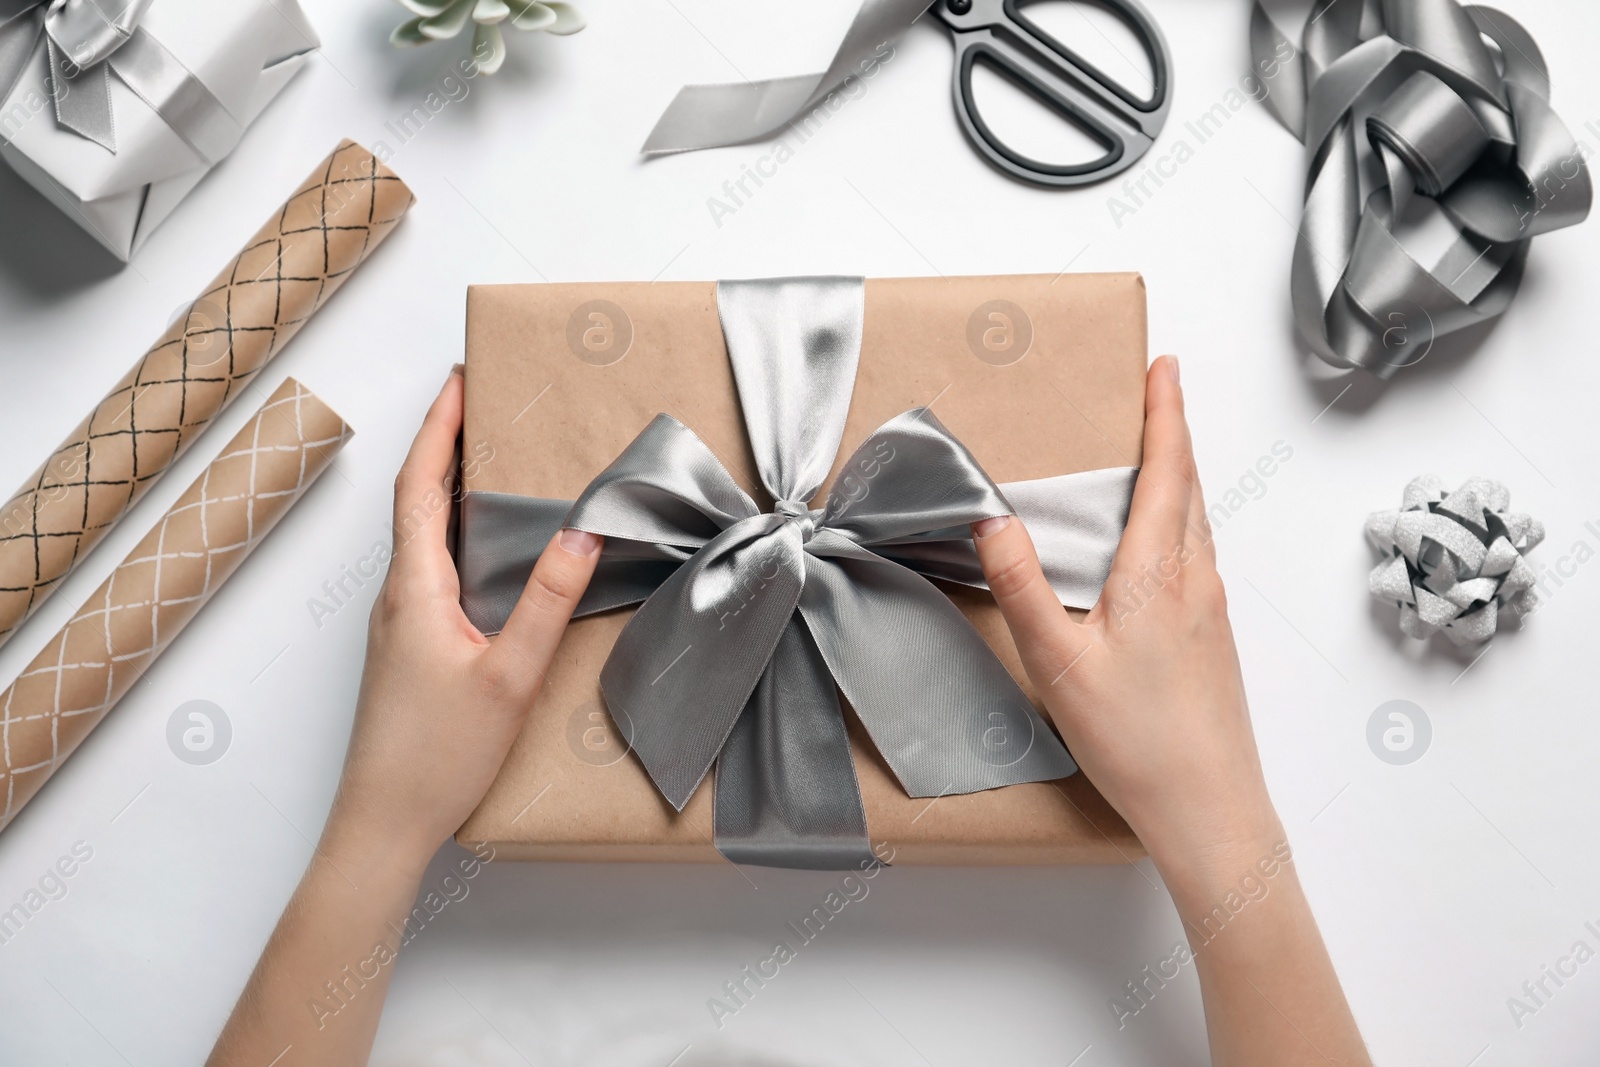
x: 798, y: 514
x: 86, y: 33
x: 752, y: 624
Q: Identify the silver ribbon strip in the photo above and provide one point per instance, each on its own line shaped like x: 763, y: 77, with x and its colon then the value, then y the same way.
x: 86, y: 44
x: 750, y: 620
x: 1421, y: 227
x: 711, y: 116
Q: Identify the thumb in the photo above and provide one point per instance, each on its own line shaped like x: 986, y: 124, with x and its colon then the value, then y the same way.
x: 521, y: 654
x: 1047, y: 638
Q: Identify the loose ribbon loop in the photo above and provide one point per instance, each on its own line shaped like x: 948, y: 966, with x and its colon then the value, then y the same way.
x: 751, y: 622
x: 1422, y: 227
x: 86, y: 44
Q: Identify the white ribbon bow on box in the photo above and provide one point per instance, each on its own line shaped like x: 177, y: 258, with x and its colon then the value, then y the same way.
x: 87, y: 44
x: 143, y: 98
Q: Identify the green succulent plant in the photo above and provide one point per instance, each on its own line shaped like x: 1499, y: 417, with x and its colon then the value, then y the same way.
x: 440, y: 20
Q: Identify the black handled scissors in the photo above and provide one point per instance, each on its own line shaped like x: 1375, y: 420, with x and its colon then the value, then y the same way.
x: 997, y: 33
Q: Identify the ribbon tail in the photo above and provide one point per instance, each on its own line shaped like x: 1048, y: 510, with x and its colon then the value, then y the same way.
x: 786, y: 789
x: 941, y: 708
x: 83, y: 100
x: 711, y: 116
x: 684, y: 666
x: 85, y: 47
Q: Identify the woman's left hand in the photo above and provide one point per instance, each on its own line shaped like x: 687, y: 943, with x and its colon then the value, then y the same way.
x: 440, y: 703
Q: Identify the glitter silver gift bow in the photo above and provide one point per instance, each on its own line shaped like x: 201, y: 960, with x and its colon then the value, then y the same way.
x: 86, y: 44
x: 1395, y: 98
x: 749, y: 619
x: 1451, y: 560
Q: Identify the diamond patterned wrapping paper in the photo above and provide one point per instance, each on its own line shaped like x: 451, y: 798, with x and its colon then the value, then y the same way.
x: 288, y: 270
x: 162, y: 584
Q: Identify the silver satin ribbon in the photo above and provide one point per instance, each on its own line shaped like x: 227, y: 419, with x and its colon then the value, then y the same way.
x: 711, y: 116
x: 89, y: 40
x: 751, y: 622
x: 1431, y: 166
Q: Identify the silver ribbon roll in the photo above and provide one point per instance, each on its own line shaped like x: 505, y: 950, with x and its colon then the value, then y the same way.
x: 751, y: 622
x: 86, y: 43
x: 1431, y: 166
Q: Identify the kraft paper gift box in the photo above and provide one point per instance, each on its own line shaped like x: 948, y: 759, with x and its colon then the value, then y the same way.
x: 242, y: 51
x: 1036, y: 375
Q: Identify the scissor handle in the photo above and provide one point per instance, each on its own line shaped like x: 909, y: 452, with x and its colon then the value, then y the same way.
x: 997, y: 33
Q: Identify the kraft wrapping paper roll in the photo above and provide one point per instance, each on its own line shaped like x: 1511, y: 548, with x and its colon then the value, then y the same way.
x: 286, y: 272
x: 162, y: 584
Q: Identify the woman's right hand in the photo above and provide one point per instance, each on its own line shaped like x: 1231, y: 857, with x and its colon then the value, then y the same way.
x: 1147, y: 690
x: 1148, y: 695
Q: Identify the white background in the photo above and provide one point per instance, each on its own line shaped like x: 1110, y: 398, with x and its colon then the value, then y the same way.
x: 1441, y: 886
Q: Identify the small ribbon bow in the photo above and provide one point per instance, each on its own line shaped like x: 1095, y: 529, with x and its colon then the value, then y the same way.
x: 1453, y: 559
x: 87, y: 43
x: 750, y: 618
x: 1422, y: 227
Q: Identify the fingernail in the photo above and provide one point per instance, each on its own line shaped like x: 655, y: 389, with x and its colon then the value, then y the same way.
x: 580, y: 543
x: 459, y: 368
x: 986, y: 527
x: 1172, y: 367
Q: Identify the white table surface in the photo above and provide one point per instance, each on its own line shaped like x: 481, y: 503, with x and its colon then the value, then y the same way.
x: 1441, y: 886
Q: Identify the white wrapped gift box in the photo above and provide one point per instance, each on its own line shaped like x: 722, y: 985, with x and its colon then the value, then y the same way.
x: 243, y: 51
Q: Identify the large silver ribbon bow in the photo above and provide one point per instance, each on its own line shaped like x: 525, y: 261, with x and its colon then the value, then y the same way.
x: 750, y: 618
x: 1431, y: 166
x: 89, y: 40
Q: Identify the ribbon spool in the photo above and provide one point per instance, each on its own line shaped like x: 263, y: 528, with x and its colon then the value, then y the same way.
x: 1453, y: 559
x: 1433, y: 160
